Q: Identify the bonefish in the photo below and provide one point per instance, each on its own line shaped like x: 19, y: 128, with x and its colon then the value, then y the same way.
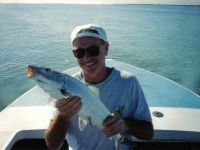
x: 59, y: 85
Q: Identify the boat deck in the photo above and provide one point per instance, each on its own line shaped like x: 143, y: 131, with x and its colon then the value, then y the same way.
x: 174, y: 111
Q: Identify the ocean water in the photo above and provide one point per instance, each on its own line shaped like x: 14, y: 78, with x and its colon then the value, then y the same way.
x: 159, y: 38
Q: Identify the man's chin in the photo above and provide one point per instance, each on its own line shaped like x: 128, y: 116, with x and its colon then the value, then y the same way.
x: 90, y: 70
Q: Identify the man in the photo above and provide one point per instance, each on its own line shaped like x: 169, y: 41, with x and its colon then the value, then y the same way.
x: 118, y: 90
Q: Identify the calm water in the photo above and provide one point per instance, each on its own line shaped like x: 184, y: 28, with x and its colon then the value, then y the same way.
x: 161, y: 39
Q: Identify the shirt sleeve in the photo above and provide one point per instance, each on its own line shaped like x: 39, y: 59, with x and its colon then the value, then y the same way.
x: 139, y: 102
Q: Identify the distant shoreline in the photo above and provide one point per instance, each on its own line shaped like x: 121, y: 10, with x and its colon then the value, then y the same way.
x: 2, y: 3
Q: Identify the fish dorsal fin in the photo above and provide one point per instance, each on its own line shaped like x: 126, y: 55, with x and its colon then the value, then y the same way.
x: 94, y: 89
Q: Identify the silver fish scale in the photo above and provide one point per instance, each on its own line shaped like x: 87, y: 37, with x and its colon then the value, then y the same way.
x: 92, y: 107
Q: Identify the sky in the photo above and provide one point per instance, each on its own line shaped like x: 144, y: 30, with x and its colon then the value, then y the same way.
x: 175, y: 2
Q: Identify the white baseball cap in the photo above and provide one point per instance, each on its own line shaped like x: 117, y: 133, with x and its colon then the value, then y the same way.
x: 90, y: 30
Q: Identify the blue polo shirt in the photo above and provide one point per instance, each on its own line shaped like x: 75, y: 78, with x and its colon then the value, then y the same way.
x: 120, y: 92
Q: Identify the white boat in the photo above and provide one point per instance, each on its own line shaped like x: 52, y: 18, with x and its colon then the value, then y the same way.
x: 175, y: 112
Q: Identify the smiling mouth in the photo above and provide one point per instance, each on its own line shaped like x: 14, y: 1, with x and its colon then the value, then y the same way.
x: 90, y: 64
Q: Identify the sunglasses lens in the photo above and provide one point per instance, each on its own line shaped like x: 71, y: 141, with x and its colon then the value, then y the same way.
x: 79, y: 53
x: 93, y: 51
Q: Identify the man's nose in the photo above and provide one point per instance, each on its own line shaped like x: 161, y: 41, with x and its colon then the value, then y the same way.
x: 86, y: 56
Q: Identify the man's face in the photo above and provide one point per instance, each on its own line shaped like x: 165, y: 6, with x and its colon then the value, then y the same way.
x: 91, y: 65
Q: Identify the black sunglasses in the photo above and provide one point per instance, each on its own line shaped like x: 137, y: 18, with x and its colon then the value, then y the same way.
x: 91, y: 51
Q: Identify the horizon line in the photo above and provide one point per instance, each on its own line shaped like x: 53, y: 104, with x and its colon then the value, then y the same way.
x: 101, y: 3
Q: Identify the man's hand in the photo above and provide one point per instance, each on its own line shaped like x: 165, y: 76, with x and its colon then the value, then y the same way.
x: 113, y: 125
x: 69, y: 106
x: 56, y: 132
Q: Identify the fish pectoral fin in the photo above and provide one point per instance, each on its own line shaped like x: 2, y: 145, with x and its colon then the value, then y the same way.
x: 64, y: 92
x: 82, y: 123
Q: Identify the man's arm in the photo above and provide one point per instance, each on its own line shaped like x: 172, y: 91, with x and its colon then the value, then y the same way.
x: 139, y: 128
x: 56, y: 132
x: 114, y: 124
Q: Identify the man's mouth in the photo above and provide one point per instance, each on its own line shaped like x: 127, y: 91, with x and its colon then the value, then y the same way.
x: 90, y: 64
